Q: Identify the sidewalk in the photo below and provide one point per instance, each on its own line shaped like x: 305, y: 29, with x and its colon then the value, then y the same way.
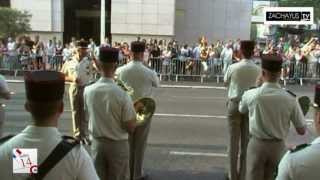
x: 17, y: 77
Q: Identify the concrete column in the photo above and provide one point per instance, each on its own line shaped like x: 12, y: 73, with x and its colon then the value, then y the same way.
x: 103, y: 21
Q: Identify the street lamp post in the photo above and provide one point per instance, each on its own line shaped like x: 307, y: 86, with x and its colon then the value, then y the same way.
x: 103, y: 21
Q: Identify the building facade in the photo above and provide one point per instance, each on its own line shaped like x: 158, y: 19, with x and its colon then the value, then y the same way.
x: 215, y: 19
x: 184, y: 20
x: 146, y: 18
x: 47, y: 16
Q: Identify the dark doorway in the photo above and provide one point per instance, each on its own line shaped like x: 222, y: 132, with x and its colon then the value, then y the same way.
x: 82, y: 19
x: 4, y: 3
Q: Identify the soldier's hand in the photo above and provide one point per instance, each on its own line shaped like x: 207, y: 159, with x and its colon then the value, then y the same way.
x: 77, y: 81
x: 86, y: 141
x: 138, y: 106
x: 130, y: 126
x: 301, y: 131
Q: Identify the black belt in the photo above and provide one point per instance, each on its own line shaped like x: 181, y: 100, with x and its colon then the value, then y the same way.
x: 267, y: 139
x: 101, y: 139
x: 235, y: 100
x: 82, y: 86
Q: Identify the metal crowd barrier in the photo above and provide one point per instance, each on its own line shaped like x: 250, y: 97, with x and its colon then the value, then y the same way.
x: 186, y: 67
x: 182, y: 68
x: 189, y: 67
x: 299, y: 71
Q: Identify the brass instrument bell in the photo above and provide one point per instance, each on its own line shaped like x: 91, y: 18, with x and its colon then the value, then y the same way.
x: 145, y: 106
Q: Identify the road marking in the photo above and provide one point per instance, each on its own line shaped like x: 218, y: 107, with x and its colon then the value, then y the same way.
x: 194, y: 87
x: 183, y: 115
x: 14, y: 81
x: 162, y: 86
x: 178, y: 153
x: 202, y: 98
x: 309, y: 121
x: 22, y: 81
x: 190, y: 115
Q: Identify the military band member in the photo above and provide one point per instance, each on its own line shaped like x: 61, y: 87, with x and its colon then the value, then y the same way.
x: 143, y: 80
x: 111, y: 117
x: 303, y: 161
x: 4, y: 94
x: 238, y: 78
x: 79, y: 72
x: 271, y: 109
x: 44, y: 92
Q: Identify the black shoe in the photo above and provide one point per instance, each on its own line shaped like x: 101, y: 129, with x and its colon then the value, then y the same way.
x: 226, y: 176
x: 145, y: 177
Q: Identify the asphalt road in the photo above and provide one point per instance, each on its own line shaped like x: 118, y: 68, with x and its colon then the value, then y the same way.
x: 188, y: 136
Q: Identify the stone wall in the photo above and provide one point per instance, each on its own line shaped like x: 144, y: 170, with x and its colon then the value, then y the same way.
x: 130, y: 18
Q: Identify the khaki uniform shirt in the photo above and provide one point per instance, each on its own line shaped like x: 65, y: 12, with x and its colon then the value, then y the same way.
x: 302, y: 164
x: 108, y: 108
x: 82, y: 70
x: 140, y: 78
x: 3, y: 87
x: 240, y: 77
x: 76, y: 165
x: 271, y: 109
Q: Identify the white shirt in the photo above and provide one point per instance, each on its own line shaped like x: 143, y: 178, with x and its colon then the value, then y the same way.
x: 140, y: 78
x: 108, y: 108
x: 66, y: 54
x: 298, y: 56
x: 92, y: 46
x: 184, y: 52
x: 271, y: 109
x: 302, y: 164
x: 76, y: 165
x: 226, y: 54
x: 51, y: 49
x: 146, y: 55
x: 12, y: 48
x: 240, y: 77
x: 236, y: 46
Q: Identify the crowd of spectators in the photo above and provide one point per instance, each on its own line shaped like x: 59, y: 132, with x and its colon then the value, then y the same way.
x: 27, y: 54
x: 300, y: 57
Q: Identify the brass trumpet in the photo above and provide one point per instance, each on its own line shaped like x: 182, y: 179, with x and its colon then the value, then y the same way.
x: 145, y: 106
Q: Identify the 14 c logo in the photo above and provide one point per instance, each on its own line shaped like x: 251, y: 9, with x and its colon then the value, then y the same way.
x: 25, y: 161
